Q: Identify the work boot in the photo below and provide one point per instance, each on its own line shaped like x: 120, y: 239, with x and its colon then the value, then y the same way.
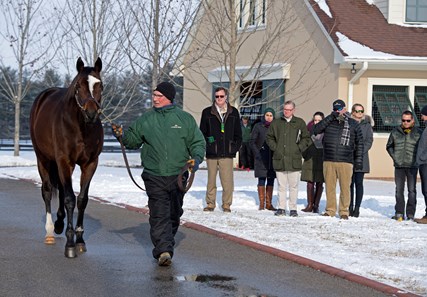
x: 261, y: 196
x: 165, y: 259
x: 269, y: 198
x: 423, y: 220
x: 310, y: 197
x: 317, y: 196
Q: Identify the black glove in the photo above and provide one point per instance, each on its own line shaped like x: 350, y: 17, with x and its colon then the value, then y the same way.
x: 358, y: 166
x: 335, y: 114
x: 117, y: 130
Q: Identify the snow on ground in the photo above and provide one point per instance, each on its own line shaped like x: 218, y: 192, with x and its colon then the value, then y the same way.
x: 372, y: 245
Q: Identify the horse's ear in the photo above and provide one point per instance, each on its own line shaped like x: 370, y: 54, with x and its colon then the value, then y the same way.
x: 80, y: 65
x: 98, y: 65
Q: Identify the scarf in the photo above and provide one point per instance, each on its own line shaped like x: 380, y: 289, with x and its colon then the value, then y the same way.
x: 345, y: 136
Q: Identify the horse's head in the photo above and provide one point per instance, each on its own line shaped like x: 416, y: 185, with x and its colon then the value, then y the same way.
x: 88, y: 89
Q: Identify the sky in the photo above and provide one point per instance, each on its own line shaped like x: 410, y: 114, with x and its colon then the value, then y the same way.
x: 373, y: 245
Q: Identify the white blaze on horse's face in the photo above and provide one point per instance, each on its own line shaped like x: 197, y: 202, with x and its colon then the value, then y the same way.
x: 92, y: 80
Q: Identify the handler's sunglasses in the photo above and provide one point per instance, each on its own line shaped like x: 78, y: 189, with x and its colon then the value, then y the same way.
x: 406, y: 121
x: 219, y: 96
x: 359, y: 111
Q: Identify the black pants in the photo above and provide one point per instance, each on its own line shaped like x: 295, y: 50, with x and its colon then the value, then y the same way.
x: 410, y: 176
x: 245, y: 155
x: 423, y: 175
x: 356, y: 182
x: 165, y: 202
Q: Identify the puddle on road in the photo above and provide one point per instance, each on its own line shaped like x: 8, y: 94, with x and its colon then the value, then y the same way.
x: 204, y: 278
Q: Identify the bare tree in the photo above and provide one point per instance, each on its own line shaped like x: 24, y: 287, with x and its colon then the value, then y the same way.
x: 261, y: 35
x: 30, y: 31
x: 156, y: 30
x: 96, y: 30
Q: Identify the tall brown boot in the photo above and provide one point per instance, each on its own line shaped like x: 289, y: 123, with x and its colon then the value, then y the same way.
x: 261, y: 196
x: 269, y: 198
x: 310, y: 197
x: 317, y: 196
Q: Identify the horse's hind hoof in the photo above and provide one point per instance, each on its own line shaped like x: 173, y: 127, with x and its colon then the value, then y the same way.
x: 59, y: 227
x: 49, y: 239
x: 70, y: 252
x: 81, y: 248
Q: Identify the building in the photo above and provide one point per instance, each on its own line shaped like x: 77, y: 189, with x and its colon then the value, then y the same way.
x: 372, y: 52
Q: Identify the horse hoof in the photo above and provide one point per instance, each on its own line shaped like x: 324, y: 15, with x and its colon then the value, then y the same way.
x: 81, y: 248
x: 49, y: 239
x: 59, y: 227
x: 70, y: 252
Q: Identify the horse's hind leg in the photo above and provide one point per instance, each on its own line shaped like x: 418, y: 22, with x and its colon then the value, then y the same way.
x: 48, y: 191
x: 82, y: 200
x: 60, y: 214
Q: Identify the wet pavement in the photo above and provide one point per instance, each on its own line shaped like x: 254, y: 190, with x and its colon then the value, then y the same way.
x: 118, y: 260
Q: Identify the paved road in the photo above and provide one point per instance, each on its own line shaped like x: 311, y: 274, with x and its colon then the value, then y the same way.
x: 119, y: 263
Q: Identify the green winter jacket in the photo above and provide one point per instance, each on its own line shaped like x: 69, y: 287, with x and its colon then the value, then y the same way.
x: 169, y: 137
x: 402, y: 147
x: 288, y: 140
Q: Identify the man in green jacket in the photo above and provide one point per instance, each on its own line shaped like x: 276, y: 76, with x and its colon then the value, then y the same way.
x: 288, y: 138
x: 169, y: 138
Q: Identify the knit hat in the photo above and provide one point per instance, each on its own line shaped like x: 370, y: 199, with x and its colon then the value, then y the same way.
x: 269, y: 109
x: 167, y: 89
x: 424, y: 110
x: 338, y: 105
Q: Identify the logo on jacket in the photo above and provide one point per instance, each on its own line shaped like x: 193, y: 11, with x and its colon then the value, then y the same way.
x: 176, y: 127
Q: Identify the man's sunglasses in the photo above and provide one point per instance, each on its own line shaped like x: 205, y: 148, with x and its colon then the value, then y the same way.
x: 219, y: 96
x: 359, y: 111
x: 406, y: 121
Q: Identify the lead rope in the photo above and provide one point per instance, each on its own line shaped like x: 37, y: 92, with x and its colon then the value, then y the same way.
x: 184, y: 169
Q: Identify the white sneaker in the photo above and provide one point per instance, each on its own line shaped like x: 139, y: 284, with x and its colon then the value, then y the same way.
x: 165, y: 259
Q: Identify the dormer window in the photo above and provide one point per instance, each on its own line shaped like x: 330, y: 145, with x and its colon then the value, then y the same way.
x: 416, y: 11
x: 251, y: 13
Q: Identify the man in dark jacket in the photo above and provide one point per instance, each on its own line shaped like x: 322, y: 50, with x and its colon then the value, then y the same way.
x: 220, y: 125
x: 402, y: 147
x: 342, y: 149
x: 288, y: 138
x: 169, y: 137
x: 422, y: 163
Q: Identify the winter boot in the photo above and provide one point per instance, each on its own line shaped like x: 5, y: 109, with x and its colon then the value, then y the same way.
x: 269, y: 198
x: 317, y: 196
x: 310, y: 197
x: 356, y: 212
x: 261, y: 196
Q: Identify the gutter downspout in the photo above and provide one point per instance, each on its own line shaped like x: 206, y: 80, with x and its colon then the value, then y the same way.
x: 353, y: 80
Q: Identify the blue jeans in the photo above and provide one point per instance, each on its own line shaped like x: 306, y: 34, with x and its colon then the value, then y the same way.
x: 423, y: 175
x: 356, y: 182
x: 410, y: 176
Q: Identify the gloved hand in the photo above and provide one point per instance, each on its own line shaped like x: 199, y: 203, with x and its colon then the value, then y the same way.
x: 194, y: 164
x: 358, y: 166
x: 335, y: 114
x: 117, y: 130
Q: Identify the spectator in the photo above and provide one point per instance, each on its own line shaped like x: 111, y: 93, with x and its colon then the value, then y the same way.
x: 245, y: 154
x: 312, y: 168
x: 342, y: 149
x: 220, y: 125
x: 263, y: 160
x: 365, y: 123
x: 402, y: 148
x: 288, y: 138
x: 156, y: 132
x: 422, y: 163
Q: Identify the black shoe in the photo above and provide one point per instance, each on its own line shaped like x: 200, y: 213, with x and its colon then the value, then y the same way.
x: 280, y: 212
x: 398, y: 217
x: 410, y: 217
x: 293, y: 213
x: 355, y: 212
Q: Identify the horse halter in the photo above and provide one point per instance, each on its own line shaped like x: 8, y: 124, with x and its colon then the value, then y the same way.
x: 81, y: 103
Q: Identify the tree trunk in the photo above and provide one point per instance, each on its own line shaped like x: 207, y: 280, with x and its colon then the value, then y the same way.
x: 17, y: 128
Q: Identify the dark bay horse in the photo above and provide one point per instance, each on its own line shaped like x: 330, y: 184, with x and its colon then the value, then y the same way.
x: 66, y: 131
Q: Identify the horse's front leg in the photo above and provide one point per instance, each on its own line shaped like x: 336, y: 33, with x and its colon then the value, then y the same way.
x: 70, y: 204
x: 82, y: 200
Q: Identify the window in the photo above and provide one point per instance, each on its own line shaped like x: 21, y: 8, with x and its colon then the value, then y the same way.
x: 420, y: 102
x: 416, y: 10
x: 388, y: 104
x: 262, y: 94
x: 251, y: 13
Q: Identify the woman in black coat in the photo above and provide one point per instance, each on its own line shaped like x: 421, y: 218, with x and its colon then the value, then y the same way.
x: 263, y: 164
